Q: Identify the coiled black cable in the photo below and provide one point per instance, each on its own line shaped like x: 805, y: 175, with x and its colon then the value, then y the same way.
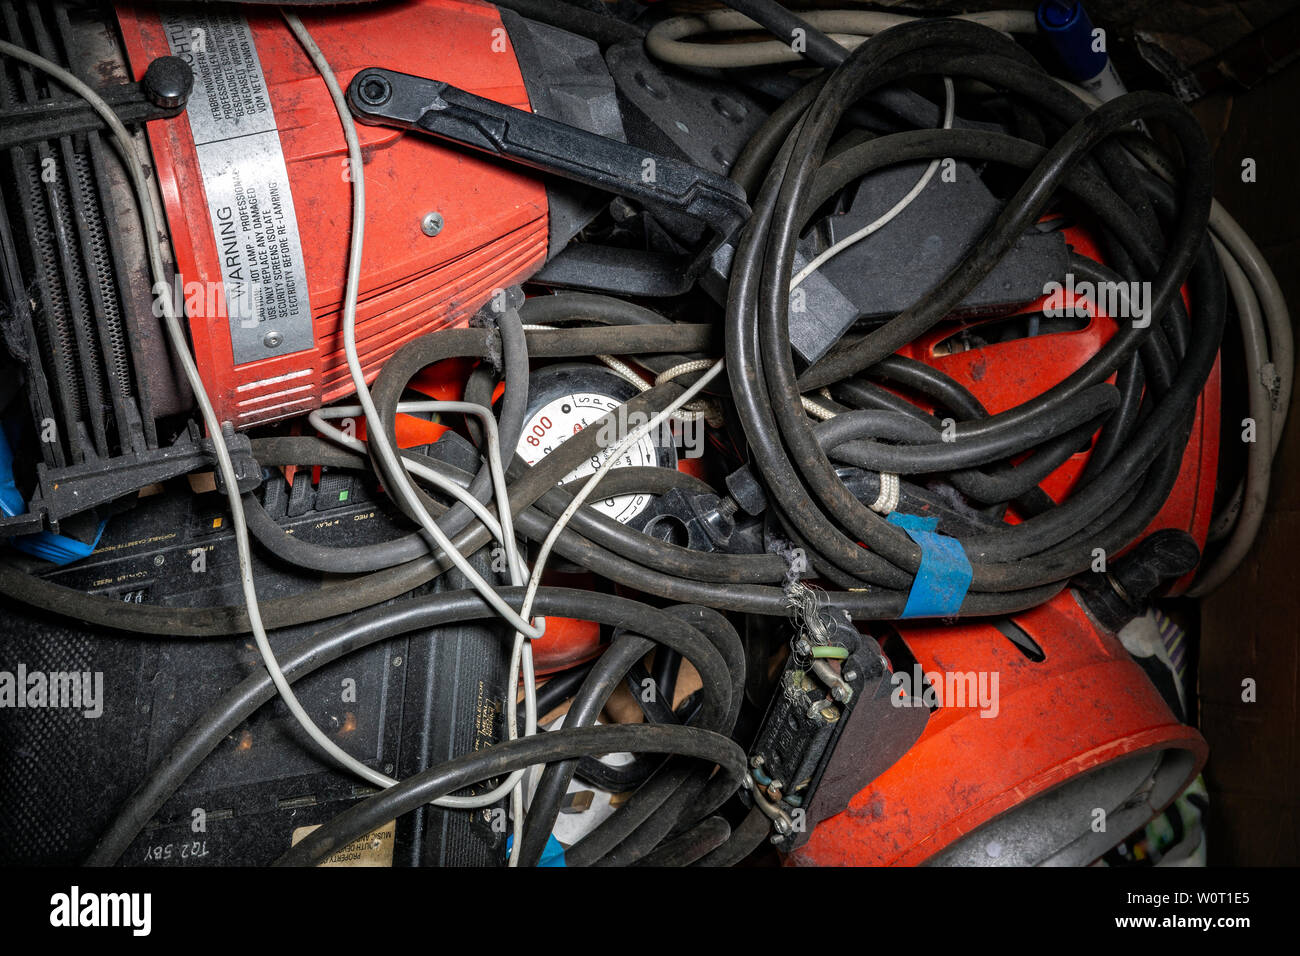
x: 810, y: 498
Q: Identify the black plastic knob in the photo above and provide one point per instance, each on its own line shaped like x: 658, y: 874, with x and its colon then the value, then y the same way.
x: 168, y: 82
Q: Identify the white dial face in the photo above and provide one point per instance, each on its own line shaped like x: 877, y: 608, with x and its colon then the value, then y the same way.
x: 561, y: 418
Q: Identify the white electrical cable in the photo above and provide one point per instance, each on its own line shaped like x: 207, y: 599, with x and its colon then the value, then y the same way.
x: 949, y: 110
x: 890, y: 487
x: 629, y: 441
x: 394, y: 470
x: 320, y: 420
x: 502, y: 530
x: 886, y: 502
x: 394, y: 473
x: 711, y: 371
x: 176, y: 334
x: 521, y: 657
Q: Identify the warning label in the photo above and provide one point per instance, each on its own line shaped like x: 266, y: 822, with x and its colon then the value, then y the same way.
x: 246, y: 185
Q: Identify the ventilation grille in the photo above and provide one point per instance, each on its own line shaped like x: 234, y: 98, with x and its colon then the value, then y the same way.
x: 60, y: 267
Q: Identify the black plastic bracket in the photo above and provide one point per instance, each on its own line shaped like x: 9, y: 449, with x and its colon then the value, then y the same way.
x: 64, y: 492
x: 162, y: 94
x: 387, y: 98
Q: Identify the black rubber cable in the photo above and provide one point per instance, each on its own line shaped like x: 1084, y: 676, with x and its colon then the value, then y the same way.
x: 352, y: 634
x: 554, y: 781
x: 698, y: 842
x: 548, y: 793
x: 1189, y: 229
x: 792, y: 30
x: 744, y: 840
x: 503, y: 758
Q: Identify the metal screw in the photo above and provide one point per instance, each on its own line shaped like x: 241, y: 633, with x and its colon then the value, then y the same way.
x: 374, y: 90
x: 850, y: 676
x: 431, y: 224
x: 756, y: 760
x: 159, y: 560
x: 782, y: 825
x: 729, y: 109
x: 397, y: 661
x: 272, y: 339
x: 650, y: 87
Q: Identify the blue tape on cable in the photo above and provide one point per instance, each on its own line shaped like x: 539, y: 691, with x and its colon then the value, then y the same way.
x: 945, y: 573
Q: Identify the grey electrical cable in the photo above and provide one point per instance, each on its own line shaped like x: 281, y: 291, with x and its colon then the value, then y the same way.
x: 1270, y: 366
x: 826, y: 255
x: 1272, y: 302
x: 666, y: 40
x: 391, y: 464
x: 502, y: 530
x: 225, y: 467
x: 1228, y: 231
x: 394, y: 473
x: 320, y: 420
x: 1253, y: 492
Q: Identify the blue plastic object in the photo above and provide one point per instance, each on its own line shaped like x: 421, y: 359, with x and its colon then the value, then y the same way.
x: 552, y: 855
x: 55, y: 548
x: 1068, y: 30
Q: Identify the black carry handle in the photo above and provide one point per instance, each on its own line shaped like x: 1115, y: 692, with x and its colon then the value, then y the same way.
x: 388, y: 98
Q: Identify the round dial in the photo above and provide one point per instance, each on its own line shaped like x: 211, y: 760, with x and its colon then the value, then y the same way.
x: 567, y: 399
